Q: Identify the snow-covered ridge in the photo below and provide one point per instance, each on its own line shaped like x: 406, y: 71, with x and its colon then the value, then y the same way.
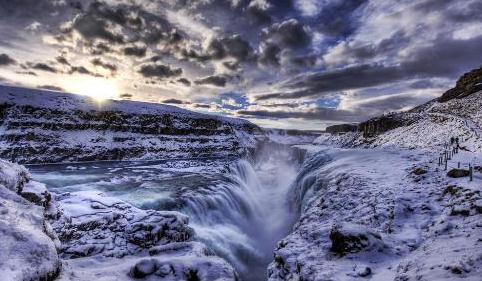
x: 42, y: 126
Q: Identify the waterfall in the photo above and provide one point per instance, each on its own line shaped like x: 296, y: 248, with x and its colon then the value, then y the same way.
x: 244, y: 216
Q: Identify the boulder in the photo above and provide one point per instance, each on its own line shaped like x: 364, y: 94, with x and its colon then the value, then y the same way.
x: 351, y: 238
x: 458, y: 173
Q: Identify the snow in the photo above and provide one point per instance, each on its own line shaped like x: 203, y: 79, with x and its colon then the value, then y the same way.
x: 415, y: 232
x: 47, y: 127
x: 27, y: 250
x: 433, y: 125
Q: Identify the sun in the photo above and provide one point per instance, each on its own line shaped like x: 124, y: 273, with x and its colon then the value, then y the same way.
x: 99, y: 89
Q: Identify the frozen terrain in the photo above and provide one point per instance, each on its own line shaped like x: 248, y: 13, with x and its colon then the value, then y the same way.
x: 376, y: 204
x: 383, y: 215
x: 45, y: 127
x: 237, y: 208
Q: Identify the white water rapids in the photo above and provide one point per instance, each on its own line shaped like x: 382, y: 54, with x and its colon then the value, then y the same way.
x: 239, y: 208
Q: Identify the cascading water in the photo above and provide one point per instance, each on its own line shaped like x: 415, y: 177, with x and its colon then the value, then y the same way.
x: 243, y: 217
x: 241, y: 211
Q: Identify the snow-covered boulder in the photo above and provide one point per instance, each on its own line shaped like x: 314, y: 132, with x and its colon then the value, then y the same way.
x: 27, y: 247
x: 351, y: 238
x: 12, y: 176
x: 172, y: 262
x: 91, y: 223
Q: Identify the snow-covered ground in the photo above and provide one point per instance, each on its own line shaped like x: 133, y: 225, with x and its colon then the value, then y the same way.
x: 381, y: 214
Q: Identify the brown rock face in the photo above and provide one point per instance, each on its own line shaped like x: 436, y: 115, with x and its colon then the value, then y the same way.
x: 468, y: 84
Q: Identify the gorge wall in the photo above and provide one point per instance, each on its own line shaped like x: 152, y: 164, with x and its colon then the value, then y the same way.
x: 44, y: 127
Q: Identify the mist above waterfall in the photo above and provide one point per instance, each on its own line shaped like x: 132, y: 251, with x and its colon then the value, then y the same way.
x: 243, y: 218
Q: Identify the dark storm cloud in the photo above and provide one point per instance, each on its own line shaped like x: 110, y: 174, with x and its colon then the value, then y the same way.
x: 290, y: 33
x: 62, y: 60
x: 6, y: 60
x: 137, y: 51
x: 184, y: 81
x: 233, y: 46
x: 51, y: 88
x: 313, y: 114
x: 202, y: 105
x: 258, y: 13
x: 92, y: 26
x: 173, y: 101
x: 269, y: 55
x: 43, y: 67
x: 446, y: 58
x: 99, y: 48
x: 218, y: 81
x: 83, y: 70
x: 126, y: 96
x: 105, y: 65
x: 157, y: 70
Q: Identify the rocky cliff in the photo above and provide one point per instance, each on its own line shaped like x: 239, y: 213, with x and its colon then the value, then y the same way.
x: 457, y: 113
x: 41, y: 126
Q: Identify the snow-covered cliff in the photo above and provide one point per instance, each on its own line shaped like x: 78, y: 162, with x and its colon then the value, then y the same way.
x: 42, y: 126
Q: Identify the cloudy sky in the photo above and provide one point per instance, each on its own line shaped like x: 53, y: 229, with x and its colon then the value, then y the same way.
x: 299, y: 64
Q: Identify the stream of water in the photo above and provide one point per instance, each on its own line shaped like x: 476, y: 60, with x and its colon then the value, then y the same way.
x: 238, y: 207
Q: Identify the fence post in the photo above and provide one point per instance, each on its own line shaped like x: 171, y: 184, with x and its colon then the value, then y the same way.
x: 458, y: 165
x: 471, y: 172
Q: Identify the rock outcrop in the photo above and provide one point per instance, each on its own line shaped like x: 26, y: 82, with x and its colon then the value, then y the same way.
x: 469, y: 83
x: 341, y: 128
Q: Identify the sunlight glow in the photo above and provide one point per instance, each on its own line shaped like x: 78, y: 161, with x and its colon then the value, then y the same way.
x: 98, y: 88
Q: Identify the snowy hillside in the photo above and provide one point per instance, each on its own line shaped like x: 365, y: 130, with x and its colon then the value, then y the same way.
x: 42, y: 126
x: 430, y: 125
x: 381, y: 214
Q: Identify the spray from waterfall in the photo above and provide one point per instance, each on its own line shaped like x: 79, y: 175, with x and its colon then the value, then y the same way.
x: 243, y: 217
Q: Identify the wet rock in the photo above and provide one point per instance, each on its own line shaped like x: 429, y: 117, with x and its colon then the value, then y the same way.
x: 451, y: 189
x: 458, y: 173
x: 419, y: 171
x: 144, y: 268
x: 478, y: 206
x: 351, y: 238
x: 36, y: 193
x: 460, y: 211
x: 363, y: 271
